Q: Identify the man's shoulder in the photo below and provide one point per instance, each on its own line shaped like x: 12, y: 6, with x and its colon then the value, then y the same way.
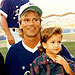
x: 14, y: 49
x: 16, y: 46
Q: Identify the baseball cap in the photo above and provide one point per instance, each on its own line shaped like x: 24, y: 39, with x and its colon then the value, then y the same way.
x: 29, y: 6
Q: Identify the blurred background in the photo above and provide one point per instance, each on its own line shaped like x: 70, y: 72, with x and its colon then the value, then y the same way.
x: 55, y: 13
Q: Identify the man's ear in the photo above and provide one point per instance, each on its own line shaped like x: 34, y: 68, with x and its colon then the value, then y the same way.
x: 44, y: 45
x: 40, y: 26
x: 20, y: 25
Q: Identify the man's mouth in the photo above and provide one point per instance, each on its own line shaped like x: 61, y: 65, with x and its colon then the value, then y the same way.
x: 31, y: 28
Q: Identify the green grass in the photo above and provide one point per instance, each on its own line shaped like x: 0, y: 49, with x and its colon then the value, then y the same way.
x: 69, y: 45
x: 3, y: 41
x: 4, y: 51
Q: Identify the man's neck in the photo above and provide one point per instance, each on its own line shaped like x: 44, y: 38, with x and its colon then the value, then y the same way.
x: 31, y: 42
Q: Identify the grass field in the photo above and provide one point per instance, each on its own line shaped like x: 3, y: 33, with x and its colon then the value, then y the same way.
x: 69, y: 45
x: 4, y: 51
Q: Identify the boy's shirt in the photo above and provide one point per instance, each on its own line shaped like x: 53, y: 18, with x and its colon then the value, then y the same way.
x: 44, y: 66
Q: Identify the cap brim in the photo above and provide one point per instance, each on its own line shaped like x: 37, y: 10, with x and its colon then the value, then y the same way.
x: 33, y: 8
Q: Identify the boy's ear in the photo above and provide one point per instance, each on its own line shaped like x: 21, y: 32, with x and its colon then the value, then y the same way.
x: 44, y: 45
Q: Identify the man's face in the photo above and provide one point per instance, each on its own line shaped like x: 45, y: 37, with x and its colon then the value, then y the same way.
x: 31, y: 24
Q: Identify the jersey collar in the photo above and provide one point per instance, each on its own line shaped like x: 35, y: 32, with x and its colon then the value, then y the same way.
x: 30, y: 49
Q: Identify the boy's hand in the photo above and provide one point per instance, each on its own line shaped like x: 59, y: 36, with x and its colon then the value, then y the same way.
x: 60, y: 60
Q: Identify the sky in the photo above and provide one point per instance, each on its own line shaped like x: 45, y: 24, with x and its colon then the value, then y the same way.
x: 55, y: 6
x: 0, y: 1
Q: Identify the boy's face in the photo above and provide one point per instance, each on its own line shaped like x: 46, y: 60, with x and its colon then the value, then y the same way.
x: 53, y: 44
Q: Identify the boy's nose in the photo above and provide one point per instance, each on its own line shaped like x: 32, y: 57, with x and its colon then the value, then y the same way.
x: 56, y: 44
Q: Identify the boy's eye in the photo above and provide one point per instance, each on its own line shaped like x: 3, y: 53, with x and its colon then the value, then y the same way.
x: 59, y: 41
x: 52, y: 42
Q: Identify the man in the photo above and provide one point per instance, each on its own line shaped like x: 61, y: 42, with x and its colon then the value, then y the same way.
x: 21, y: 55
x: 9, y: 10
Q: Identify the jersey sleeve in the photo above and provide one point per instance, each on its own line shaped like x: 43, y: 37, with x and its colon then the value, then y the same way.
x: 66, y: 53
x: 72, y: 65
x: 5, y: 8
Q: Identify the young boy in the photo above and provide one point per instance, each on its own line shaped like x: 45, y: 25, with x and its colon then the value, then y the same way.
x: 51, y: 61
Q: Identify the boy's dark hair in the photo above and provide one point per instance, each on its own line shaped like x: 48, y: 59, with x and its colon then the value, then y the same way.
x: 46, y: 34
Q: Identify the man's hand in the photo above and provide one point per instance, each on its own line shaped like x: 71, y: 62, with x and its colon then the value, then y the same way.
x: 11, y: 39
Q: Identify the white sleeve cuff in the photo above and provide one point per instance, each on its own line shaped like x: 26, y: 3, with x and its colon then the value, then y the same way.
x: 2, y: 12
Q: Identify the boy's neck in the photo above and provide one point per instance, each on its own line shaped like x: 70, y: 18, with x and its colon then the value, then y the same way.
x: 51, y: 56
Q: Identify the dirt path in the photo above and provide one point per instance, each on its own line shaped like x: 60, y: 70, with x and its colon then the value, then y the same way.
x: 3, y: 45
x: 68, y: 37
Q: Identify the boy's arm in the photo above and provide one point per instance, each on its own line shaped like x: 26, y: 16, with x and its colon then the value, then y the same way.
x: 64, y: 63
x: 67, y: 68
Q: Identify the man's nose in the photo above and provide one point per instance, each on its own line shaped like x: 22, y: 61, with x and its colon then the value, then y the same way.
x: 31, y: 22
